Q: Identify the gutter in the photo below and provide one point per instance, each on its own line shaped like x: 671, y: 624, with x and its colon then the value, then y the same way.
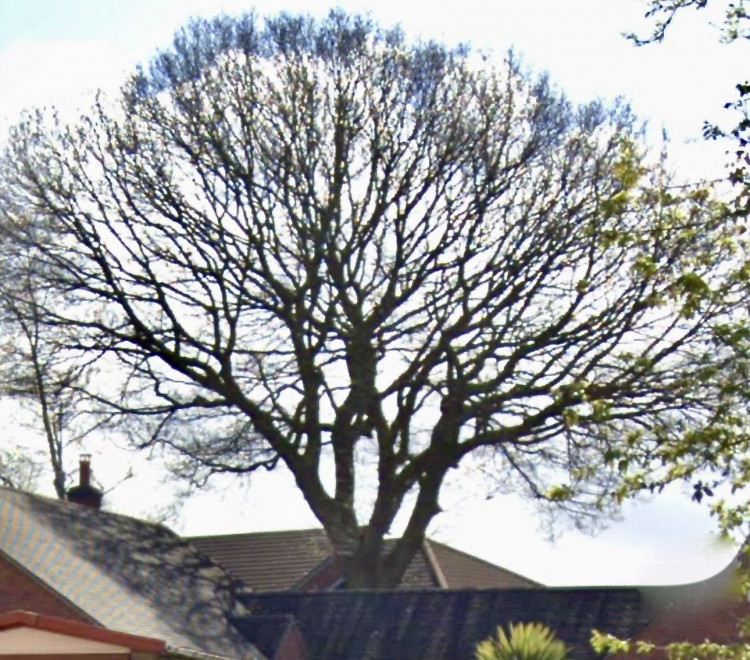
x: 182, y: 653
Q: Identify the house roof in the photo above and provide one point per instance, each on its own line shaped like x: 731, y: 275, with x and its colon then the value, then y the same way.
x: 274, y: 561
x: 267, y: 561
x: 443, y: 624
x: 125, y: 574
x: 464, y: 571
x: 20, y: 619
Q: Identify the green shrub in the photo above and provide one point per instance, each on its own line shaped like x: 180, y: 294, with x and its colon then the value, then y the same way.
x: 524, y: 641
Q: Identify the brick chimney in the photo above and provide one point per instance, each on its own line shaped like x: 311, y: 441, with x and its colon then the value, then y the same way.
x: 84, y: 493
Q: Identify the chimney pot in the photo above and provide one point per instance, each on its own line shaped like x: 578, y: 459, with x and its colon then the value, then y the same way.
x: 84, y: 493
x: 84, y: 470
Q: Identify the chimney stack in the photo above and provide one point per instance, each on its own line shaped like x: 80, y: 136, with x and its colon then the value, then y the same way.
x: 84, y: 493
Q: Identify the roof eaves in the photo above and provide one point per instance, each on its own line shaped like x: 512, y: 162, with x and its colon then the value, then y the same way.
x: 20, y: 618
x: 182, y: 653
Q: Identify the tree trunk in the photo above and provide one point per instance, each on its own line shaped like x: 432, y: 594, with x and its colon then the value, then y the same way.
x: 363, y: 571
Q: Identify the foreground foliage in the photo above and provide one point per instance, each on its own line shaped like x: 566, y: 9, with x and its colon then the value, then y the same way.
x: 735, y: 27
x: 607, y: 644
x: 524, y: 641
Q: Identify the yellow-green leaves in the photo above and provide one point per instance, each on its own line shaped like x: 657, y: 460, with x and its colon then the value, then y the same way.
x: 627, y: 172
x: 560, y: 493
x: 645, y: 267
x: 629, y: 169
x: 693, y: 290
x: 603, y: 643
x: 524, y: 641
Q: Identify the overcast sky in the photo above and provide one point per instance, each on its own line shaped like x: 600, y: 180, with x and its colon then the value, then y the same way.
x: 56, y: 51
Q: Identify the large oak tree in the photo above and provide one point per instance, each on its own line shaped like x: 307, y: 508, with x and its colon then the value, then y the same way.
x: 321, y: 244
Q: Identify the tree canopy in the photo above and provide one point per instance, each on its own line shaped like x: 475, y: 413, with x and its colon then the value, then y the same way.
x: 321, y: 244
x: 662, y: 13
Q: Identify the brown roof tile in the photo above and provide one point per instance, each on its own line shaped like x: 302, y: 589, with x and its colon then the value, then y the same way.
x: 420, y: 574
x: 267, y: 561
x: 464, y: 571
x: 277, y: 561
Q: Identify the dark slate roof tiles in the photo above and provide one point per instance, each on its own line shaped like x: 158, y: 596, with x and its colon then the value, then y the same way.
x: 267, y: 632
x: 444, y: 625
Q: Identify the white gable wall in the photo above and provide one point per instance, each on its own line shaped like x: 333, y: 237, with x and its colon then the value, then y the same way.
x: 28, y: 641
